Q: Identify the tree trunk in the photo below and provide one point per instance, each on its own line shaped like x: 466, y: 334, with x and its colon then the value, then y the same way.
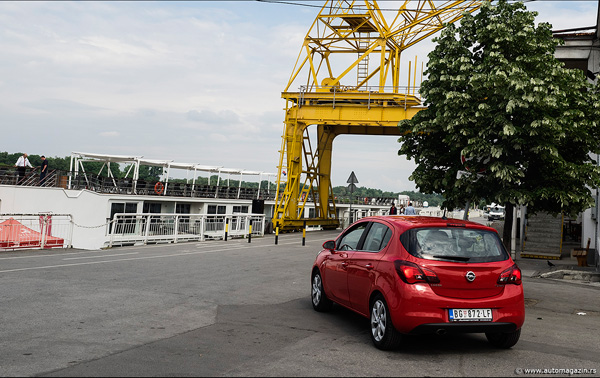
x: 508, y: 224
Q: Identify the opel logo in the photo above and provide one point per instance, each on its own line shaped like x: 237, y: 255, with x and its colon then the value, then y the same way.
x: 470, y: 276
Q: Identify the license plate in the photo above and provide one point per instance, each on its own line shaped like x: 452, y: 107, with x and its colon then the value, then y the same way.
x: 470, y: 314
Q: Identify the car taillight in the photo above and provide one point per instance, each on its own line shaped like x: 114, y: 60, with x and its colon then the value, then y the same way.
x: 411, y: 273
x: 511, y: 275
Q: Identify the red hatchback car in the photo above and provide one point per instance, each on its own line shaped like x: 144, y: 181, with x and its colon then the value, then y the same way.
x: 418, y: 275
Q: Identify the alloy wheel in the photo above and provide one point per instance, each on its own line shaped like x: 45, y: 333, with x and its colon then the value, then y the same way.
x: 316, y: 290
x: 378, y: 320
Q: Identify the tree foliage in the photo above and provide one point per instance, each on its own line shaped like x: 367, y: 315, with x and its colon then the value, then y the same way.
x: 496, y: 95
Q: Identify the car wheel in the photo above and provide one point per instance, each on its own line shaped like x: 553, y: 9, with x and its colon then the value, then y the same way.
x: 503, y: 340
x: 320, y: 301
x: 383, y: 333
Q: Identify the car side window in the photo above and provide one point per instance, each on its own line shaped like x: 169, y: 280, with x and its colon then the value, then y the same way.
x: 349, y: 242
x: 377, y: 238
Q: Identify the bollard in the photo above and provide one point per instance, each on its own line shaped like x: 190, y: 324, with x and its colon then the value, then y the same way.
x: 304, y: 234
x: 250, y: 231
x: 276, y: 232
x: 226, y: 227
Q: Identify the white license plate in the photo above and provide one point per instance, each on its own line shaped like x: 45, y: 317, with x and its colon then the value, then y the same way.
x: 470, y: 314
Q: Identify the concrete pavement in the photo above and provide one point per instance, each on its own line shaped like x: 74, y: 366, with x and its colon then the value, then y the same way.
x: 564, y: 270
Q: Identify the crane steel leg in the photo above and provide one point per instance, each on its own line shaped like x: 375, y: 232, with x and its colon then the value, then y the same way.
x: 311, y: 182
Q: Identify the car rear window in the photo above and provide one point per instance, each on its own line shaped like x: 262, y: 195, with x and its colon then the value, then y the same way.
x: 454, y: 244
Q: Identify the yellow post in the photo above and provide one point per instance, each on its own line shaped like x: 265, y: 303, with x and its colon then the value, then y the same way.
x: 304, y: 234
x: 415, y: 77
x: 250, y: 231
x: 409, y: 69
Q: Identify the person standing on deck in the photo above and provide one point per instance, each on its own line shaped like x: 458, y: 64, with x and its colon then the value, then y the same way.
x: 21, y: 164
x: 44, y: 170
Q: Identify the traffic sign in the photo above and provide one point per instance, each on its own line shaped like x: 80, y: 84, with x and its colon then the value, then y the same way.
x: 465, y: 161
x: 352, y: 179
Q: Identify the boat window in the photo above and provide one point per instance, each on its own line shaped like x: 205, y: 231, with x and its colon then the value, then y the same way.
x: 240, y: 209
x: 152, y: 207
x: 183, y: 208
x: 214, y: 209
x: 122, y: 207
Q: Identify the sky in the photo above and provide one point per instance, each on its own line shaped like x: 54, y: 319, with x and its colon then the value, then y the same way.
x: 191, y: 81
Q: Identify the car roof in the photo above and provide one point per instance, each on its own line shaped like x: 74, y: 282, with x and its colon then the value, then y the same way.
x: 415, y: 221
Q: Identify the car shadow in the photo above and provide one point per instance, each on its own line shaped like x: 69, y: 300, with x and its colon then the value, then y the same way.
x: 430, y: 344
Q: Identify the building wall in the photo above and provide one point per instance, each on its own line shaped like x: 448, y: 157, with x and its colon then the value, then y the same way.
x: 581, y: 50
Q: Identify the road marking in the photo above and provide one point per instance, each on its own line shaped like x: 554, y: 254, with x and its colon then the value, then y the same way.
x: 100, y: 256
x: 52, y: 255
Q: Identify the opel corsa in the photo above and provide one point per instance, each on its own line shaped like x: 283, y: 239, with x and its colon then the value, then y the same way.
x: 419, y: 275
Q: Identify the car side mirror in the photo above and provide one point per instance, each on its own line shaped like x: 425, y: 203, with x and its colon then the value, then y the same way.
x: 329, y: 245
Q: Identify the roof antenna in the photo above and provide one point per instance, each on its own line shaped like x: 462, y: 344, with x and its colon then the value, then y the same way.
x: 444, y: 216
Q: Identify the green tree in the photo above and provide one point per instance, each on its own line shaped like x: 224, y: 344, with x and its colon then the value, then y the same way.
x: 150, y: 173
x: 496, y: 95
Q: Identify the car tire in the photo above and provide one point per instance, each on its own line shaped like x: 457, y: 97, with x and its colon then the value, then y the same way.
x: 319, y: 299
x: 503, y: 340
x: 383, y: 333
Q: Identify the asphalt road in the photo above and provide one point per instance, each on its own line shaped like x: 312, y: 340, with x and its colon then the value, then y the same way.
x: 243, y: 309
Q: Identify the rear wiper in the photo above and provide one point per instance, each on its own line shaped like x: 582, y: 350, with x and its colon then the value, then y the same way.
x: 455, y: 258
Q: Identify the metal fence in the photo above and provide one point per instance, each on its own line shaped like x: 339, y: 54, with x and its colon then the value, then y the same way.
x: 348, y: 217
x: 33, y: 231
x: 150, y: 228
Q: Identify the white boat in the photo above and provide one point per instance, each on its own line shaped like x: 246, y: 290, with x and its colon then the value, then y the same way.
x: 94, y: 210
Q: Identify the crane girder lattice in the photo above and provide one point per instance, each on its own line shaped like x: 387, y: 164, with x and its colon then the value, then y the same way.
x: 354, y: 43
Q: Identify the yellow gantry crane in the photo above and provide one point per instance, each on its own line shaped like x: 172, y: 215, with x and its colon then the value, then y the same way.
x: 348, y: 80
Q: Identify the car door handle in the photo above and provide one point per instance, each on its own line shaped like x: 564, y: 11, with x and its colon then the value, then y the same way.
x: 344, y: 264
x: 369, y: 266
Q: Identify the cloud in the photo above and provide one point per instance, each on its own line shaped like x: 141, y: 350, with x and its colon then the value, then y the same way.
x: 109, y: 134
x: 196, y: 81
x: 59, y: 105
x: 220, y: 118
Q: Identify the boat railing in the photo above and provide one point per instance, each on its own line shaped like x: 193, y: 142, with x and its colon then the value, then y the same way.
x: 151, y: 228
x: 103, y: 184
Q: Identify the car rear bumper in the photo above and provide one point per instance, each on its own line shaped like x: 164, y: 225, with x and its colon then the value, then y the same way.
x: 464, y: 327
x: 423, y: 311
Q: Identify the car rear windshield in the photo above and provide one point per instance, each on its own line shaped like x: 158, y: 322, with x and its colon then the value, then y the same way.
x: 454, y: 244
